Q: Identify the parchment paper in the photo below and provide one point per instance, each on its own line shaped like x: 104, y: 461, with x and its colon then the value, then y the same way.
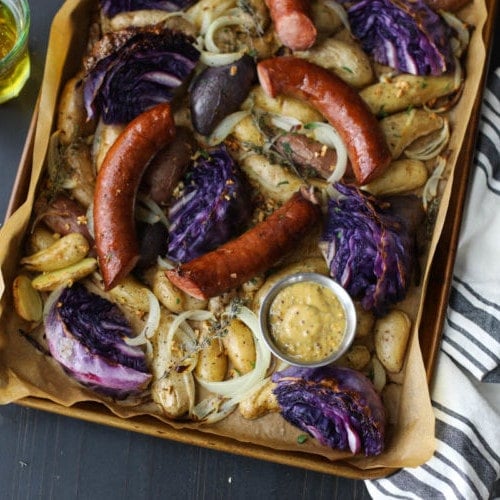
x: 26, y: 372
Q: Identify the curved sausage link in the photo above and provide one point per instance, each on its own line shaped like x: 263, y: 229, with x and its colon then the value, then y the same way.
x: 338, y: 103
x: 116, y: 187
x: 292, y: 23
x: 255, y: 251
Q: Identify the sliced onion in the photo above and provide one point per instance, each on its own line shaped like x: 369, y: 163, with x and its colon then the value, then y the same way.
x: 431, y: 186
x: 457, y: 85
x: 218, y: 23
x: 236, y: 388
x: 151, y: 324
x: 164, y: 263
x: 327, y: 135
x: 433, y: 148
x: 90, y: 219
x: 287, y: 123
x: 211, y: 410
x: 379, y: 375
x: 175, y: 327
x: 226, y: 126
x: 154, y: 211
x: 51, y: 299
x: 214, y: 59
x: 340, y: 11
x: 463, y: 35
x: 209, y: 13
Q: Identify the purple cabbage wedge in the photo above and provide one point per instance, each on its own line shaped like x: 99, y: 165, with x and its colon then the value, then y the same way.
x: 113, y: 7
x: 369, y: 249
x: 336, y: 405
x: 213, y: 207
x: 132, y: 70
x: 408, y: 36
x: 85, y: 334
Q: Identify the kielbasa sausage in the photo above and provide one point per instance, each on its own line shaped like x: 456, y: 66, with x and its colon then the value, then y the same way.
x: 339, y: 103
x: 252, y: 253
x: 116, y: 188
x: 292, y: 23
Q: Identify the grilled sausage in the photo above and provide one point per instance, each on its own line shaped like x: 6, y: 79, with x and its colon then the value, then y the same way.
x: 339, y: 103
x: 116, y: 187
x: 255, y: 251
x: 293, y: 23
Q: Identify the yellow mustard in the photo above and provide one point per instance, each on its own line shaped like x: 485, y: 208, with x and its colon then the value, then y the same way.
x: 307, y: 321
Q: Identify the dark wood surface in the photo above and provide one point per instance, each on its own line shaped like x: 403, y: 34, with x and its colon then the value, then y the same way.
x: 48, y: 456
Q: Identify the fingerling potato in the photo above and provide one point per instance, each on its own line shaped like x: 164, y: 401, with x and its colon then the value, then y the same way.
x: 391, y: 339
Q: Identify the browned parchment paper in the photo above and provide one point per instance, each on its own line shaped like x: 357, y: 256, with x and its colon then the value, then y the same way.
x: 25, y: 372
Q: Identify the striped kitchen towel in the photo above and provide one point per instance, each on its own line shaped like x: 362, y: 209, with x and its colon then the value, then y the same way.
x: 466, y: 386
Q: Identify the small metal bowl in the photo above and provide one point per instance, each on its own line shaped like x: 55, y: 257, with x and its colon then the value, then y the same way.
x: 344, y: 299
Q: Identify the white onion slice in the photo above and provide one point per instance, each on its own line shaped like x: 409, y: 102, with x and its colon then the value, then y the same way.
x: 218, y: 23
x: 164, y: 263
x: 379, y: 375
x: 340, y: 11
x: 463, y: 35
x: 209, y: 12
x: 287, y: 123
x: 236, y: 388
x: 431, y: 186
x: 431, y: 150
x: 151, y: 324
x: 155, y: 211
x: 175, y: 327
x: 215, y: 59
x: 327, y: 135
x: 90, y: 219
x: 226, y: 126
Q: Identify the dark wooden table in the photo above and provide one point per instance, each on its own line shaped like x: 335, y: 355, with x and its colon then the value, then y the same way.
x: 48, y: 456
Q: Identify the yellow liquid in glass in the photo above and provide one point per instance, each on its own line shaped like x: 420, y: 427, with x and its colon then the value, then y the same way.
x: 14, y: 70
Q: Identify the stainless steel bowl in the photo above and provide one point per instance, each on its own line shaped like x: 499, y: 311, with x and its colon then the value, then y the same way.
x: 344, y: 299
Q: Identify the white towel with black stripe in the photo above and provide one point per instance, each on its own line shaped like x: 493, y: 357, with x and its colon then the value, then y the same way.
x: 466, y: 387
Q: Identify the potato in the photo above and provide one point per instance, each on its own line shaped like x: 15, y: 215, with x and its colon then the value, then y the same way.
x: 259, y: 402
x: 72, y: 119
x: 391, y: 339
x: 104, y: 138
x: 274, y: 181
x: 358, y: 356
x: 174, y: 393
x: 405, y: 91
x: 81, y: 173
x: 365, y: 321
x: 132, y: 294
x: 240, y: 346
x: 246, y: 132
x: 51, y: 280
x: 27, y: 301
x: 212, y: 362
x: 169, y: 295
x: 64, y: 252
x: 400, y: 177
x: 402, y: 129
x: 282, y: 105
x: 346, y: 60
